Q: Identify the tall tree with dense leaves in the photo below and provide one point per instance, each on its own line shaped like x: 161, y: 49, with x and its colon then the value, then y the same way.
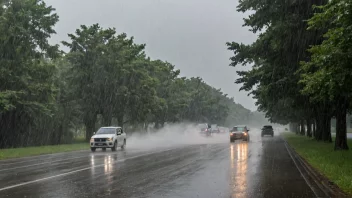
x: 275, y: 56
x: 328, y: 75
x: 87, y: 48
x: 104, y: 79
x: 27, y: 91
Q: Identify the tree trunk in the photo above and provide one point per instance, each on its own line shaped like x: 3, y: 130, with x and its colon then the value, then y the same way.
x: 297, y: 128
x: 326, y: 125
x: 314, y: 128
x: 303, y: 131
x: 157, y: 125
x: 319, y: 127
x: 146, y: 127
x: 341, y: 125
x: 309, y: 128
x: 293, y: 127
x: 329, y: 130
x: 290, y: 127
x: 89, y: 123
x: 323, y: 122
x: 107, y: 117
x: 120, y: 120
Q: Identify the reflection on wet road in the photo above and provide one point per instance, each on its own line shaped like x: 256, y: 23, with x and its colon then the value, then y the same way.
x: 239, y: 168
x: 260, y: 168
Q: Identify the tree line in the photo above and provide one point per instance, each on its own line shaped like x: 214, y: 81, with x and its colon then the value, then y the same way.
x: 301, y: 60
x: 104, y: 79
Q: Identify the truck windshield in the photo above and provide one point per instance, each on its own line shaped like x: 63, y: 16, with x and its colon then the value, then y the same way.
x: 106, y: 131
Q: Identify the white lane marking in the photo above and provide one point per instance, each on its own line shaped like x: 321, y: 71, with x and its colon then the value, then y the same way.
x: 75, y: 171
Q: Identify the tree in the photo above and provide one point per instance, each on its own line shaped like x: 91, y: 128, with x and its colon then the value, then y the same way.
x: 27, y: 92
x: 86, y: 52
x: 105, y: 79
x: 327, y: 76
x: 276, y: 56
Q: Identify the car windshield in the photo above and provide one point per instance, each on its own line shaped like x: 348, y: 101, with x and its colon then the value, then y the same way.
x: 268, y: 127
x: 106, y: 131
x: 238, y: 129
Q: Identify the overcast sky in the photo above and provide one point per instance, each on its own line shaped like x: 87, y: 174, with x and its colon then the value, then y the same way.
x: 191, y: 34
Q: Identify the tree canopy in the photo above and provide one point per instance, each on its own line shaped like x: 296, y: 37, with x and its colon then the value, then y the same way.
x: 300, y: 61
x: 47, y: 96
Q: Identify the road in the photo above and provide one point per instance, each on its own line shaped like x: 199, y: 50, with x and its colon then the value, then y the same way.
x: 260, y: 168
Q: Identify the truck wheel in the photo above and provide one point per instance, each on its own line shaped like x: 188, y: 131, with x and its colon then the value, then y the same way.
x: 124, y: 144
x: 272, y: 135
x: 115, y: 146
x: 92, y: 149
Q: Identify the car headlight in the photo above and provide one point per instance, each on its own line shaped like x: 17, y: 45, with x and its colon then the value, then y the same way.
x: 91, y: 139
x: 108, y: 139
x: 244, y: 133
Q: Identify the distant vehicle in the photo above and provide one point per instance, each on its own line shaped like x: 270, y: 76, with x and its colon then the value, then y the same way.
x: 108, y: 137
x: 215, y: 128
x: 239, y: 132
x: 205, y: 129
x: 268, y: 130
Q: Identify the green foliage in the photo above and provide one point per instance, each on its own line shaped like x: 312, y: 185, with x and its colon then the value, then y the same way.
x: 327, y: 76
x: 276, y: 54
x: 328, y: 73
x: 301, y: 63
x: 50, y: 97
x: 27, y: 90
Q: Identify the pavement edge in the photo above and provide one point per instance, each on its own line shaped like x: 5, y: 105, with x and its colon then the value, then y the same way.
x: 319, y: 184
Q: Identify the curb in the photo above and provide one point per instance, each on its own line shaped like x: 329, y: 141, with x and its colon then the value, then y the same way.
x: 319, y: 184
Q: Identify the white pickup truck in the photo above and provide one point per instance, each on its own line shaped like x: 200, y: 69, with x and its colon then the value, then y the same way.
x: 108, y: 137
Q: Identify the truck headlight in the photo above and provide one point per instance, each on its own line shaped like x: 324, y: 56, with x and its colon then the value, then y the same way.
x: 91, y: 139
x: 108, y: 139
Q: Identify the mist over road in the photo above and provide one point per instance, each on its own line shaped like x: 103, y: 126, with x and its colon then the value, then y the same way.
x: 170, y: 164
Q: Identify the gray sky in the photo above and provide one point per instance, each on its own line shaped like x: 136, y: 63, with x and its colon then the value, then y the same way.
x: 191, y: 34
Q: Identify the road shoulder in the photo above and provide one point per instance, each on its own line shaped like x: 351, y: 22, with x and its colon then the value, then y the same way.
x: 320, y: 184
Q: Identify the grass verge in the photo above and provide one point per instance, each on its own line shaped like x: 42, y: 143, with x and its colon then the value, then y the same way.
x: 335, y: 165
x: 32, y: 151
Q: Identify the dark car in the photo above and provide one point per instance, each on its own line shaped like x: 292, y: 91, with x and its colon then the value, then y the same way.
x: 239, y: 132
x: 268, y: 130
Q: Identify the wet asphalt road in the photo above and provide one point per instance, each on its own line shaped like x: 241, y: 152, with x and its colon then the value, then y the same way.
x: 260, y: 168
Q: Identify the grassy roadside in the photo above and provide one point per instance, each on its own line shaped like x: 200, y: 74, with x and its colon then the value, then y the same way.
x: 31, y: 151
x: 335, y: 165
